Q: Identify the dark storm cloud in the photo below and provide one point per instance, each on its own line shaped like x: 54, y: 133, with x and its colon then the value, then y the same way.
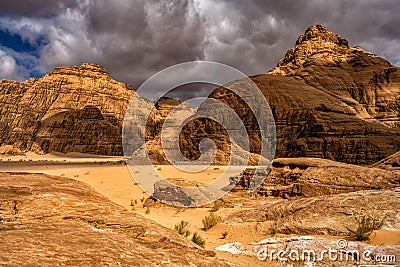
x: 34, y: 7
x: 134, y: 39
x: 265, y: 29
x: 142, y: 38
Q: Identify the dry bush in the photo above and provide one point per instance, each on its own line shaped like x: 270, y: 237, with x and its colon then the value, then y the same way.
x: 180, y: 228
x: 197, y: 239
x: 210, y: 220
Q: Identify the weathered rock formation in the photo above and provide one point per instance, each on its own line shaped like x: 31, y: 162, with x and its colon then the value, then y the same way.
x: 370, y: 85
x: 390, y: 163
x: 327, y: 215
x: 53, y: 221
x: 308, y: 177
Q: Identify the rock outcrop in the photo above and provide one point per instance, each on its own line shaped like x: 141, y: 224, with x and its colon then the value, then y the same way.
x: 308, y: 177
x: 390, y: 163
x: 327, y: 215
x: 53, y: 221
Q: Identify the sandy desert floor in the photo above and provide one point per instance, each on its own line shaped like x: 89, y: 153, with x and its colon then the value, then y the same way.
x: 111, y: 177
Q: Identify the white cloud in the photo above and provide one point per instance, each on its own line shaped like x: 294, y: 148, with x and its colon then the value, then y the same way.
x: 9, y: 69
x: 8, y: 66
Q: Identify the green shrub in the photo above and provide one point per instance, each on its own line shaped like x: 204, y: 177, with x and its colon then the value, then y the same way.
x: 198, y: 240
x: 180, y: 228
x: 210, y: 220
x: 365, y: 227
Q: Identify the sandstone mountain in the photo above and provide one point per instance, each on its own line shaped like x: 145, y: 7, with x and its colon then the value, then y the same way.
x: 71, y: 109
x: 48, y: 221
x: 329, y: 100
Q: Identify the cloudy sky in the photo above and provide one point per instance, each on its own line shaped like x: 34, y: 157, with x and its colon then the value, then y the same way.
x: 134, y: 39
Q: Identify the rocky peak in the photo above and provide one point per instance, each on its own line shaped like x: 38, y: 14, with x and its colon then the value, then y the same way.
x: 93, y: 67
x: 318, y: 45
x: 89, y: 70
x: 321, y: 33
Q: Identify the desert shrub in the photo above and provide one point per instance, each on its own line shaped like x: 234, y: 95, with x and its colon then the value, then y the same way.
x: 147, y: 210
x: 224, y: 234
x: 210, y: 220
x: 365, y: 227
x: 180, y: 228
x: 197, y: 239
x: 216, y: 206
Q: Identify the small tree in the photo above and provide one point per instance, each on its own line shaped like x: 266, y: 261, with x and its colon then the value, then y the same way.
x: 180, y: 228
x: 197, y: 239
x: 210, y: 220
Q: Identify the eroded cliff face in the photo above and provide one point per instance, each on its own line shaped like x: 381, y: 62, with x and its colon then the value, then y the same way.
x: 328, y: 100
